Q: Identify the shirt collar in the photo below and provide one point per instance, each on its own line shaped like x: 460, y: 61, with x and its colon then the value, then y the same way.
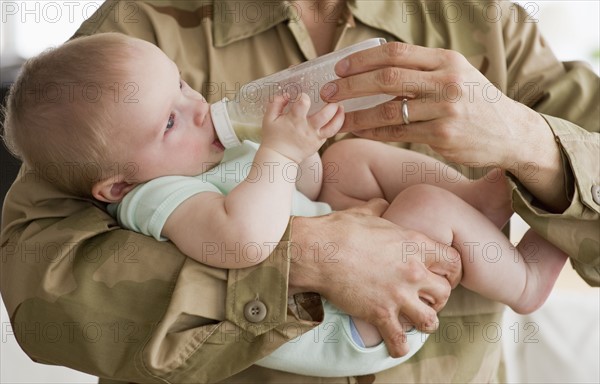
x: 376, y: 13
x: 234, y: 20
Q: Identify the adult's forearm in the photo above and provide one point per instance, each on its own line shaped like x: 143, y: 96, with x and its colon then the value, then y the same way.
x: 535, y: 160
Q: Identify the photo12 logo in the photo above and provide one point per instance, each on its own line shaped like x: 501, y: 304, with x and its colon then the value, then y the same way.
x: 64, y: 11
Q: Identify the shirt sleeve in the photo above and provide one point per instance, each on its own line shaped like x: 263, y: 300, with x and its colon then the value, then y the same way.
x: 567, y: 96
x: 128, y: 307
x: 148, y: 206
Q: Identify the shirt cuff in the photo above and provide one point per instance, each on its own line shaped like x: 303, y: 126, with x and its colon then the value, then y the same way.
x: 575, y: 230
x: 257, y: 297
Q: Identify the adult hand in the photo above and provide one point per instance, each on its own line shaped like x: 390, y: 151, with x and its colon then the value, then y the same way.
x: 452, y: 106
x: 374, y: 270
x: 454, y: 109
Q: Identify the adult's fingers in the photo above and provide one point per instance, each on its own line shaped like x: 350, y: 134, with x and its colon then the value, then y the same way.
x: 392, y: 326
x: 447, y: 264
x: 389, y: 69
x: 435, y: 295
x: 413, y: 133
x: 432, y: 289
x: 444, y: 136
x: 391, y: 54
x: 390, y: 113
x: 392, y: 332
x: 420, y: 314
x: 390, y: 80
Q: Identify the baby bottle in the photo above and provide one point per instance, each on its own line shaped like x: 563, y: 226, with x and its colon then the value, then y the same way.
x: 241, y: 118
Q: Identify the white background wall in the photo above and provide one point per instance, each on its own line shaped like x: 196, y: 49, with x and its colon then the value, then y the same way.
x: 566, y: 347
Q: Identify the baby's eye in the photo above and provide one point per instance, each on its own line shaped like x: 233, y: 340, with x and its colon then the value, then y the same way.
x: 171, y: 122
x: 180, y: 84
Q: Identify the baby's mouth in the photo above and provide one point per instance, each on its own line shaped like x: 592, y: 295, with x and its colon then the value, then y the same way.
x: 218, y: 144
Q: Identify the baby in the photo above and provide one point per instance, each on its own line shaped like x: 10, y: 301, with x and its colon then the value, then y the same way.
x: 161, y: 168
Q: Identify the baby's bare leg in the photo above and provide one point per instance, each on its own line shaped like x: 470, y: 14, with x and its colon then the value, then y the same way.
x: 521, y: 278
x: 543, y: 261
x: 358, y: 170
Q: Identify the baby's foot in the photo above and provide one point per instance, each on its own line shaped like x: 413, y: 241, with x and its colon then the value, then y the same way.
x: 493, y: 197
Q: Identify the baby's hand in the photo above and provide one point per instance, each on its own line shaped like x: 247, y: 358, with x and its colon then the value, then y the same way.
x: 293, y: 133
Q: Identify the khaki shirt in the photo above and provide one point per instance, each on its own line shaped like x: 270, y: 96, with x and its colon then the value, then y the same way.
x: 84, y: 293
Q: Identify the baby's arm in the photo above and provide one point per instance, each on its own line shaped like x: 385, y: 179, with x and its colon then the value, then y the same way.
x: 310, y: 176
x: 245, y: 224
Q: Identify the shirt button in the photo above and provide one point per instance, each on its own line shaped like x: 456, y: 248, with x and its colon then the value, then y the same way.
x: 596, y: 193
x: 255, y: 311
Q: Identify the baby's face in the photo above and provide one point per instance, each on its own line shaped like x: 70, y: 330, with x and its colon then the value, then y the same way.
x: 165, y: 126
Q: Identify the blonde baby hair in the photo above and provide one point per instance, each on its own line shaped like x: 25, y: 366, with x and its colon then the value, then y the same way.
x: 59, y: 111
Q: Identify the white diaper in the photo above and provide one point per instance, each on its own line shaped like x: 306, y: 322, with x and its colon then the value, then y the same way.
x: 329, y: 350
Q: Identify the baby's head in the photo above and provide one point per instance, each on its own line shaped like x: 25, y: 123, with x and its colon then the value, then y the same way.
x: 60, y: 110
x: 102, y: 113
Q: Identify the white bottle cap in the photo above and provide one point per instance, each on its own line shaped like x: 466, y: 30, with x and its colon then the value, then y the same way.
x: 223, y: 125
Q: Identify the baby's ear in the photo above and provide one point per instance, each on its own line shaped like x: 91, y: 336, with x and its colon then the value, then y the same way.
x: 111, y: 190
